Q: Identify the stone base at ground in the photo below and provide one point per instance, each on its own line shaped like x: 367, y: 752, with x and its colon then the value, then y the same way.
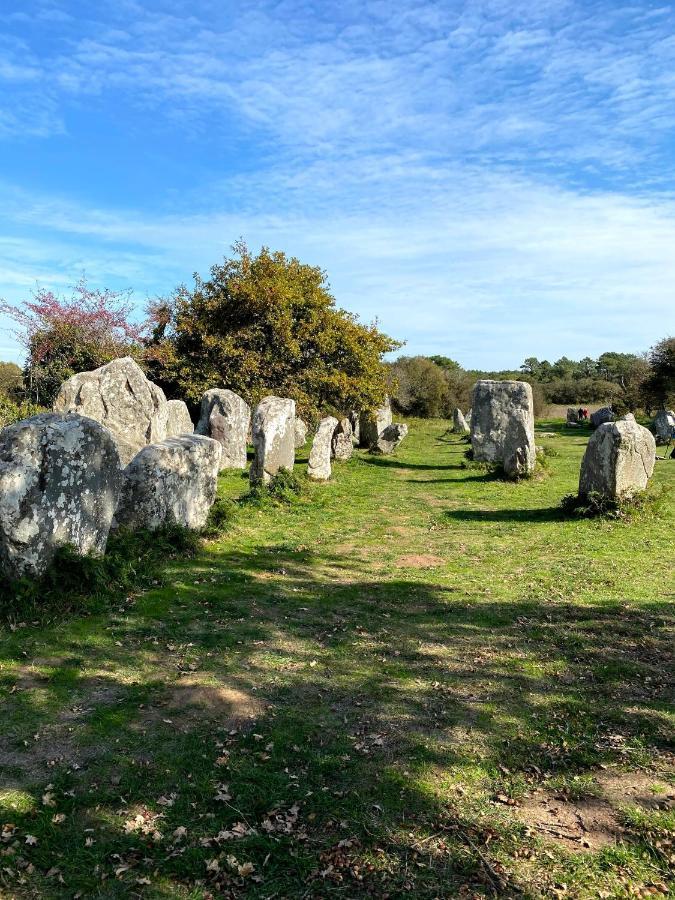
x: 502, y: 425
x: 390, y: 438
x: 119, y: 396
x: 60, y: 479
x: 226, y: 418
x: 664, y: 425
x: 319, y: 458
x: 459, y: 423
x: 619, y: 460
x: 372, y: 424
x: 273, y: 438
x: 173, y: 482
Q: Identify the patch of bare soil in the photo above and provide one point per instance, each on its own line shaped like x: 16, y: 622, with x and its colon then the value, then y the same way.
x: 589, y: 824
x: 418, y: 561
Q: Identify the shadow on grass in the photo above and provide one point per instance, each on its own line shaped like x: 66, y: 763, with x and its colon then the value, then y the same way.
x: 395, y: 463
x: 326, y: 703
x: 547, y: 514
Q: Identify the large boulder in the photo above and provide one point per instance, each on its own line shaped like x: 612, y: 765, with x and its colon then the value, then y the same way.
x: 601, y: 416
x: 343, y: 440
x: 178, y: 419
x: 173, y: 482
x: 664, y: 425
x: 390, y: 438
x: 300, y: 433
x: 119, y: 396
x: 459, y: 423
x: 319, y: 458
x: 226, y: 418
x: 619, y: 460
x: 60, y: 479
x: 372, y: 424
x: 502, y: 425
x: 273, y: 438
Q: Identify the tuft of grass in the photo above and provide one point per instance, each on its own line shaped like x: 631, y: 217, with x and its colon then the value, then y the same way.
x: 221, y: 515
x: 285, y: 487
x: 595, y: 505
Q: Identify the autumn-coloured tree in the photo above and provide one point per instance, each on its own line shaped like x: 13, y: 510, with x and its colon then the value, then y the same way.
x: 63, y: 336
x: 268, y: 324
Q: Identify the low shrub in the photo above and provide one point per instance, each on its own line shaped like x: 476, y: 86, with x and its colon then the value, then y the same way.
x: 284, y: 487
x: 221, y: 515
x: 594, y: 505
x: 14, y: 411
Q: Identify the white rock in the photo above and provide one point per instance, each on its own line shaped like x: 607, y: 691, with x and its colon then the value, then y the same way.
x: 664, y: 425
x: 226, y: 418
x: 273, y: 436
x: 459, y: 423
x: 119, y: 396
x: 300, y: 433
x: 60, y: 479
x: 390, y: 438
x: 172, y: 482
x: 319, y: 458
x: 343, y: 440
x: 619, y: 460
x: 178, y: 419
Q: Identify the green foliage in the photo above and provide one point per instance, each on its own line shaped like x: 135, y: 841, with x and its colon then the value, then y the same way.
x: 221, y: 515
x: 268, y: 324
x: 14, y: 411
x: 659, y: 387
x: 285, y: 487
x: 594, y: 505
x: 87, y: 583
x: 11, y: 380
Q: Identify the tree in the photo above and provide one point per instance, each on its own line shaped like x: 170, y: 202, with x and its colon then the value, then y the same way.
x: 11, y: 380
x: 63, y: 336
x: 269, y: 324
x: 422, y: 387
x: 659, y: 387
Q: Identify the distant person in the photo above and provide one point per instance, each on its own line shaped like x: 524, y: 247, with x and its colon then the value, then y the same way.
x: 585, y: 414
x: 580, y: 414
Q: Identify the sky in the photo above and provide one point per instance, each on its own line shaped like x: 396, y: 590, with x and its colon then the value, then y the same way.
x: 489, y: 179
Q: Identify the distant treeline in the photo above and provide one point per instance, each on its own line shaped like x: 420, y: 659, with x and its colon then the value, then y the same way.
x: 432, y: 386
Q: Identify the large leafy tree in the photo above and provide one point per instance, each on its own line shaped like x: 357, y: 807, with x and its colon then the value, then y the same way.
x: 264, y: 324
x: 659, y: 387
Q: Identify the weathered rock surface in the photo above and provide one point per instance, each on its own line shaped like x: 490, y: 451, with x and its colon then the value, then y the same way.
x: 178, y: 419
x: 664, y: 425
x: 300, y: 432
x: 60, y: 479
x: 572, y: 416
x: 119, y: 396
x: 459, y: 423
x: 373, y: 423
x: 273, y: 438
x: 602, y: 415
x: 172, y: 482
x: 226, y: 418
x: 502, y: 425
x: 619, y: 460
x: 319, y: 457
x: 390, y: 438
x: 343, y: 440
x: 354, y: 418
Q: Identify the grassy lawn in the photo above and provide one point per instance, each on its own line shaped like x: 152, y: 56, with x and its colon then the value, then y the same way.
x: 416, y: 679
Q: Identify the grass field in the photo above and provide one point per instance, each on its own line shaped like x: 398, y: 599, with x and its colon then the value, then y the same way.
x: 415, y: 680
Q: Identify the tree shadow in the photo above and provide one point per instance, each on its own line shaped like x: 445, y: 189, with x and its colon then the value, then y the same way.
x: 395, y: 463
x: 545, y: 514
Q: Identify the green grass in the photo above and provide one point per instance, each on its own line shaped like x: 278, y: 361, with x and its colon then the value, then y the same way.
x: 381, y: 670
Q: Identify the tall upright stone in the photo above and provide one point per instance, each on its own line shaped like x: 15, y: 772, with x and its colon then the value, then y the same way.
x: 173, y: 482
x: 664, y: 425
x: 619, y: 460
x: 319, y: 458
x: 226, y: 418
x: 343, y: 440
x: 459, y: 423
x: 60, y: 480
x: 372, y: 423
x: 273, y: 438
x: 178, y: 420
x: 502, y: 425
x: 355, y: 419
x: 300, y: 432
x: 119, y: 396
x: 601, y: 416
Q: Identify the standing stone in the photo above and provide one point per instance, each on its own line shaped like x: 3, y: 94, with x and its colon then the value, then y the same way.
x: 119, y: 396
x: 619, y: 460
x: 354, y: 418
x: 319, y: 457
x: 300, y: 433
x: 170, y: 483
x: 60, y: 479
x: 178, y: 419
x: 601, y: 416
x: 502, y: 425
x: 273, y: 438
x: 459, y: 424
x: 572, y: 416
x: 373, y: 423
x: 390, y: 438
x: 343, y: 440
x: 226, y: 418
x: 664, y: 425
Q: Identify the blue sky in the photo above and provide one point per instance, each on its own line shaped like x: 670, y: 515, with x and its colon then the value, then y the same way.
x: 490, y: 179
